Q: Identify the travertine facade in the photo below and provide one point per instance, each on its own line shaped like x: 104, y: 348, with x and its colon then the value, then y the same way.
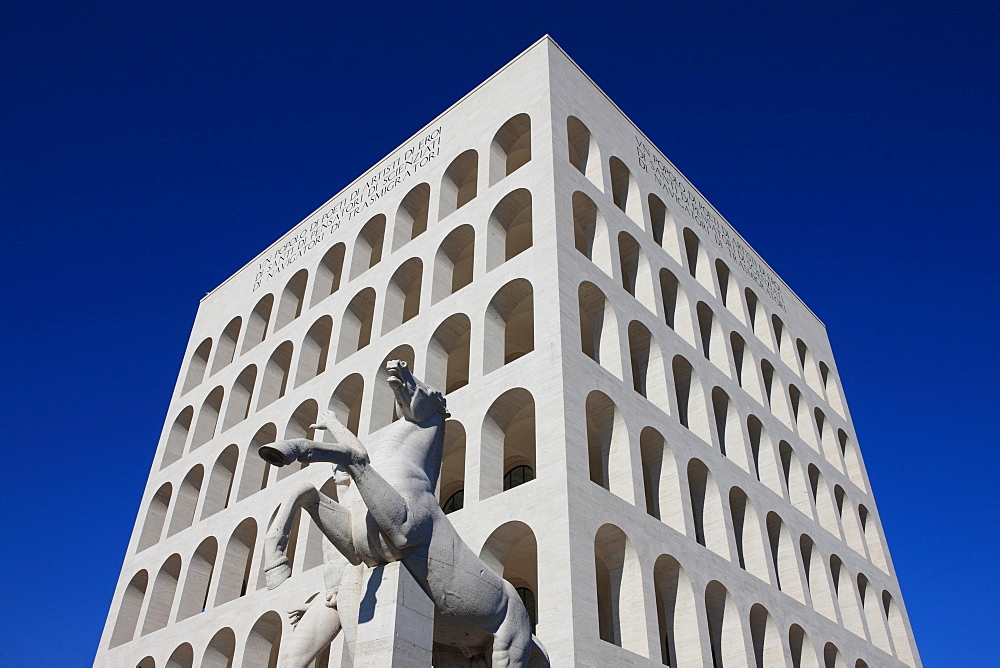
x: 649, y: 438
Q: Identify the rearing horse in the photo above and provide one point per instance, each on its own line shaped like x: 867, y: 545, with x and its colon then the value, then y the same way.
x: 400, y: 520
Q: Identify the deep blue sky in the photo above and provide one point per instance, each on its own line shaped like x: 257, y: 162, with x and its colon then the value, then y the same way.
x: 150, y: 149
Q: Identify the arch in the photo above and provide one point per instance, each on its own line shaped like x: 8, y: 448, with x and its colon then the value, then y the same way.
x: 660, y: 480
x: 510, y: 323
x: 147, y: 662
x: 746, y: 367
x: 847, y: 600
x: 767, y: 650
x: 454, y: 263
x: 897, y: 629
x: 156, y: 515
x: 810, y: 372
x: 774, y: 393
x: 509, y: 231
x: 677, y: 614
x: 620, y: 606
x: 872, y: 607
x: 802, y: 417
x: 636, y: 277
x: 725, y: 629
x: 275, y: 381
x: 849, y: 521
x: 300, y: 426
x: 264, y: 642
x: 194, y: 597
x: 729, y: 291
x: 177, y: 437
x: 240, y: 397
x: 411, y: 216
x: 220, y: 482
x: 452, y: 480
x: 786, y: 565
x: 368, y: 246
x: 832, y: 388
x: 608, y: 448
x: 698, y: 263
x: 713, y: 345
x: 762, y: 449
x: 648, y: 377
x: 448, y: 354
x: 187, y: 500
x: 729, y: 429
x: 329, y: 273
x: 161, y: 597
x: 345, y: 402
x: 508, y: 439
x: 590, y: 232
x: 828, y: 441
x: 257, y: 323
x: 795, y: 481
x: 664, y: 227
x: 758, y: 318
x: 599, y: 328
x: 356, y: 325
x: 691, y: 408
x: 625, y: 189
x: 226, y: 350
x: 584, y: 152
x: 852, y: 460
x: 129, y: 609
x: 383, y: 410
x: 459, y: 183
x: 315, y: 350
x: 784, y: 340
x: 749, y: 540
x: 256, y: 470
x: 402, y: 295
x: 820, y: 589
x: 208, y: 418
x: 803, y: 653
x: 873, y: 539
x: 823, y: 500
x: 512, y: 552
x: 832, y: 657
x: 182, y: 657
x: 221, y: 650
x: 234, y: 576
x: 511, y: 147
x: 197, y: 366
x: 292, y: 299
x: 706, y: 508
x: 676, y: 309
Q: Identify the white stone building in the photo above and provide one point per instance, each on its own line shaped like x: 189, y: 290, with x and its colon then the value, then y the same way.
x: 649, y: 436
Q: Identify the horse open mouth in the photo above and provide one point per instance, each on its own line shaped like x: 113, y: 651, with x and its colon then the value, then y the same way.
x: 395, y: 378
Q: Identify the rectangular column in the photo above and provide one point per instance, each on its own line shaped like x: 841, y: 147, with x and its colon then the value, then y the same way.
x: 395, y: 620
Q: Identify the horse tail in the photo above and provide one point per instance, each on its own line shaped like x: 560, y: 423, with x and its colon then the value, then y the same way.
x: 537, y: 645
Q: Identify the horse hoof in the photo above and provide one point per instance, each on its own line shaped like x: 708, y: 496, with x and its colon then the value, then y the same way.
x: 277, y: 573
x: 278, y: 454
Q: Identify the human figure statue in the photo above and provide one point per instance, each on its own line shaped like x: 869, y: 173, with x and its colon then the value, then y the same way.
x: 400, y: 520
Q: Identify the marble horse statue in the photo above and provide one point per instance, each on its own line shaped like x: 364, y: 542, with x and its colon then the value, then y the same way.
x: 397, y: 518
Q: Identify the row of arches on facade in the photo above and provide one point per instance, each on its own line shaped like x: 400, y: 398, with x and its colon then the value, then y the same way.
x: 661, y: 291
x: 508, y: 233
x: 706, y: 627
x: 506, y: 328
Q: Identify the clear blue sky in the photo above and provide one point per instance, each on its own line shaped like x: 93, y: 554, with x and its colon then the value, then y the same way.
x: 151, y: 149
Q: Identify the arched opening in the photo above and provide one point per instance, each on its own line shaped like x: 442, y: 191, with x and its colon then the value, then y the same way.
x: 161, y: 598
x: 676, y: 614
x: 819, y: 585
x: 691, y: 409
x: 636, y: 277
x: 256, y: 470
x: 706, y: 508
x: 234, y: 576
x: 762, y: 449
x: 508, y: 440
x: 590, y: 232
x: 786, y: 566
x: 194, y: 598
x: 182, y: 657
x: 832, y: 657
x: 383, y: 400
x: 263, y: 643
x: 240, y: 397
x: 221, y: 650
x: 676, y: 310
x: 746, y: 368
x: 147, y: 662
x: 664, y: 228
x: 897, y: 627
x: 315, y: 350
x: 509, y: 228
x: 699, y: 265
x: 660, y: 480
x: 454, y: 263
x: 226, y: 350
x: 832, y: 387
x: 599, y: 328
x: 448, y: 354
x: 129, y: 609
x: 619, y: 580
x: 823, y: 500
x: 608, y: 446
x: 873, y: 614
x: 411, y: 216
x: 767, y: 649
x: 156, y: 515
x: 510, y: 323
x: 775, y: 394
x: 329, y: 273
x: 187, y: 500
x: 208, y: 418
x: 873, y: 538
x: 402, y: 295
x: 809, y: 369
x: 197, y: 366
x: 802, y: 417
x: 356, y: 325
x: 220, y: 482
x: 784, y: 339
x: 847, y: 601
x: 852, y: 460
x: 584, y: 153
x: 257, y: 324
x: 724, y: 628
x: 459, y: 185
x: 512, y: 552
x: 452, y: 481
x: 803, y: 653
x: 300, y: 426
x: 345, y: 402
x: 749, y: 540
x: 510, y: 148
x: 795, y: 481
x: 757, y: 317
x: 828, y: 441
x: 177, y: 438
x: 275, y: 380
x: 292, y: 299
x: 625, y: 189
x: 713, y: 345
x: 729, y: 429
x: 729, y: 291
x: 648, y: 377
x: 368, y: 246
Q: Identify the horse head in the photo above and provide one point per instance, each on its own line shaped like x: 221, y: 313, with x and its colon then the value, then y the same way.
x: 415, y: 401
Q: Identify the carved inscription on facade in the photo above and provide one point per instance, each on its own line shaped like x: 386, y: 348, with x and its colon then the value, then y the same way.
x: 684, y: 195
x: 391, y: 173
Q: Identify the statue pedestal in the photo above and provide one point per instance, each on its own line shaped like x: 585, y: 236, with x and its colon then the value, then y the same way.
x: 395, y: 620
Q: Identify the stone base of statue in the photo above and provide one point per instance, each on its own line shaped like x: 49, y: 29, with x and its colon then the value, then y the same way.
x: 395, y: 620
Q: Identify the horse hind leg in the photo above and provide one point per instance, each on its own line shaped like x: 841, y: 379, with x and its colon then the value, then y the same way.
x: 512, y: 641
